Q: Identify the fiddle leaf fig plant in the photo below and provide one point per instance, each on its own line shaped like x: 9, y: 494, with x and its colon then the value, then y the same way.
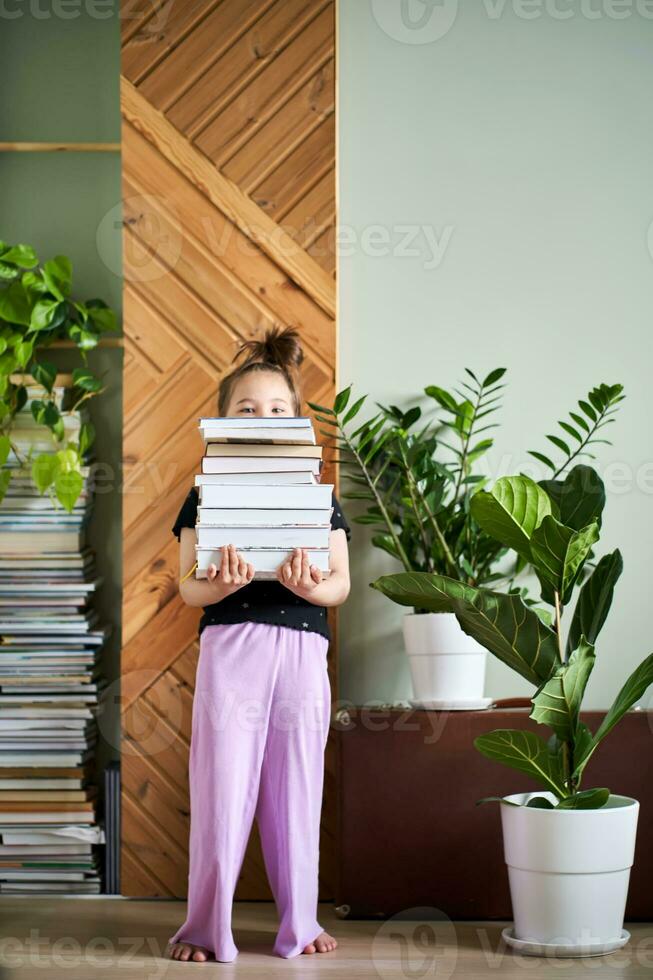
x: 37, y: 310
x: 553, y: 527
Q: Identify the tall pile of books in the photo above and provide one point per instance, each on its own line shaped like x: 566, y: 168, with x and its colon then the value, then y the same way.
x: 259, y: 490
x: 50, y: 640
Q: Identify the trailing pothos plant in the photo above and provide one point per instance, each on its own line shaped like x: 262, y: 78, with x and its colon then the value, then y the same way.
x: 554, y: 527
x: 36, y: 310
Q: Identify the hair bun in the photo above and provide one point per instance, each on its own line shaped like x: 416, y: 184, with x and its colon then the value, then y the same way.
x: 280, y: 347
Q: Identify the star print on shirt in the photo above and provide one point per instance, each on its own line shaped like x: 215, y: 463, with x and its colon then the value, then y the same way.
x: 245, y: 605
x: 305, y: 625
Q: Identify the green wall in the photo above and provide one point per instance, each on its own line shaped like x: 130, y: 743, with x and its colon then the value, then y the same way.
x: 524, y: 143
x: 60, y: 82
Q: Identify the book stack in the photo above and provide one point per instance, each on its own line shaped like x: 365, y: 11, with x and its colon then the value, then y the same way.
x: 50, y: 685
x: 259, y: 490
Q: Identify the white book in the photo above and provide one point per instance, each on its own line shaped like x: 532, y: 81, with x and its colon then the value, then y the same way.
x: 268, y: 517
x: 240, y: 495
x: 287, y: 428
x: 247, y: 421
x: 264, y: 537
x: 256, y: 479
x: 265, y: 560
x: 259, y: 464
x: 262, y: 449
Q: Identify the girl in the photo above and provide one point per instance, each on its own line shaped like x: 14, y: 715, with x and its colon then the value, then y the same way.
x: 263, y: 652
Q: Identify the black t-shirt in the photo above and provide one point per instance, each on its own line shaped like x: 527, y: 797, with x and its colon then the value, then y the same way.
x: 262, y: 601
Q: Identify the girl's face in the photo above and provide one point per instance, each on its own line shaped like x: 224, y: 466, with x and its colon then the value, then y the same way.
x: 261, y: 394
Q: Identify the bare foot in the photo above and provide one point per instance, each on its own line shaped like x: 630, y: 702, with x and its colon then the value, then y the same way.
x: 323, y: 944
x: 186, y: 951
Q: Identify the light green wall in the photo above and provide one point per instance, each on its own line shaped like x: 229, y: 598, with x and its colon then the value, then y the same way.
x: 60, y: 82
x: 528, y: 145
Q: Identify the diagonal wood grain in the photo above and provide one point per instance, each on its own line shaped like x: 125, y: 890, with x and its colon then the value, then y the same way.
x: 228, y: 153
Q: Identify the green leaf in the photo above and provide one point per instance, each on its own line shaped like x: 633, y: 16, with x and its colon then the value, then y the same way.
x: 353, y: 411
x: 594, y: 600
x: 43, y: 314
x: 540, y: 803
x: 44, y: 373
x: 579, y: 498
x: 341, y: 401
x: 589, y: 411
x: 320, y: 408
x: 571, y: 431
x: 443, y: 398
x: 68, y: 486
x: 558, y: 554
x: 57, y: 274
x: 542, y: 459
x: 21, y: 255
x: 636, y: 685
x: 5, y: 479
x: 526, y: 752
x: 15, y: 306
x: 588, y: 799
x: 102, y: 317
x: 557, y: 702
x: 496, y: 799
x: 86, y: 436
x: 44, y: 468
x: 493, y: 377
x: 84, y: 379
x: 23, y: 352
x: 511, y: 511
x: 5, y: 446
x: 501, y: 623
x: 560, y: 443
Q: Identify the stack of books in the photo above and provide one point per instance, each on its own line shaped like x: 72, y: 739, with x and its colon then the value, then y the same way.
x: 259, y: 490
x: 50, y: 685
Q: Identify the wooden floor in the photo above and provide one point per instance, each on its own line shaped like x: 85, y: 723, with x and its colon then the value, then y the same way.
x: 106, y: 938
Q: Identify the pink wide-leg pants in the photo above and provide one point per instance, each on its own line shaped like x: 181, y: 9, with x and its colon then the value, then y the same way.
x: 261, y: 715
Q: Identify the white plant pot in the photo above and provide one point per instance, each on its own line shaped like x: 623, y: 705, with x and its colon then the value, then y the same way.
x: 445, y: 663
x: 569, y: 872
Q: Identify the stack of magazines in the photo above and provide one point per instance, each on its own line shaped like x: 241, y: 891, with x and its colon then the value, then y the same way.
x: 50, y: 684
x: 259, y: 490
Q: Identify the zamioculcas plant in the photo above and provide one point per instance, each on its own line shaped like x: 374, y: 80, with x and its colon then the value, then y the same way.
x: 553, y: 527
x: 417, y: 480
x: 36, y: 310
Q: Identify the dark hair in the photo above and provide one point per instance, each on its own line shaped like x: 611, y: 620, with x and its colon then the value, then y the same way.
x: 280, y: 350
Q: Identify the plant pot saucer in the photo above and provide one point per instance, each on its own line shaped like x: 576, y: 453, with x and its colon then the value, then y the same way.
x: 458, y: 704
x: 562, y: 950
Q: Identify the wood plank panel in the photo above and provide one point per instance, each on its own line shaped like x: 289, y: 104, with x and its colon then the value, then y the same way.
x: 228, y: 131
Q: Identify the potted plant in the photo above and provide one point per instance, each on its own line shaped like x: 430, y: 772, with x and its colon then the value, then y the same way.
x: 416, y: 482
x: 37, y: 311
x: 568, y: 849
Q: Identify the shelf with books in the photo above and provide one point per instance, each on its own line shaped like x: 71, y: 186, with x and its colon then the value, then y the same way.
x: 50, y: 677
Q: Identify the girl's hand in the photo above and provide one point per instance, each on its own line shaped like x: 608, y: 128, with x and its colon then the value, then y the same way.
x: 232, y: 573
x: 298, y: 575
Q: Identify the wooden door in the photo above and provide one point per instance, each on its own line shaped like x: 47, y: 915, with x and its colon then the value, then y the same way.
x: 228, y: 151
